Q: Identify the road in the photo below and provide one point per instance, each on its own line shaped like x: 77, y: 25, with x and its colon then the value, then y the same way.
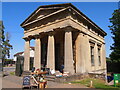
x: 9, y: 69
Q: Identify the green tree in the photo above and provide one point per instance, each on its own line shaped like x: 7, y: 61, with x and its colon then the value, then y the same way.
x: 115, y: 54
x: 5, y: 45
x: 115, y: 30
x: 1, y: 41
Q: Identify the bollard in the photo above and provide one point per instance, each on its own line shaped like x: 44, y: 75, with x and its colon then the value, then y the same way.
x: 91, y: 84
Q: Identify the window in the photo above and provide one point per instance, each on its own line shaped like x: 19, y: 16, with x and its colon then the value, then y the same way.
x: 92, y: 45
x: 92, y: 55
x: 99, y: 57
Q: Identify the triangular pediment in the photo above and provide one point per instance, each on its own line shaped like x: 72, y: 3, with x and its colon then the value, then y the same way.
x: 44, y: 11
x: 40, y: 14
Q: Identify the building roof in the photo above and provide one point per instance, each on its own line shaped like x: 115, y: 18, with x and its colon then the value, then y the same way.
x: 19, y: 53
x: 64, y: 5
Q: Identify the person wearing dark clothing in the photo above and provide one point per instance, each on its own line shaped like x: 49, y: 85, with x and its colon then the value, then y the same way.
x: 61, y: 68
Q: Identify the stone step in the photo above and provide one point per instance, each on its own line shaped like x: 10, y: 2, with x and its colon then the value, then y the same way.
x: 50, y: 78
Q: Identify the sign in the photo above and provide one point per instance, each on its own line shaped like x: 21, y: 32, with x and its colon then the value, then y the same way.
x: 26, y: 81
x: 116, y: 80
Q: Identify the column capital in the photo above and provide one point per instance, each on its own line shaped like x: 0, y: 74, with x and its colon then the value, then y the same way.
x: 51, y: 33
x: 99, y: 44
x: 26, y: 38
x: 68, y: 29
x: 82, y: 33
x: 36, y: 36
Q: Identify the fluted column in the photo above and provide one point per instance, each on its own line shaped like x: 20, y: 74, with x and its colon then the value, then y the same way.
x: 27, y: 55
x: 68, y: 60
x: 37, y: 56
x: 51, y: 51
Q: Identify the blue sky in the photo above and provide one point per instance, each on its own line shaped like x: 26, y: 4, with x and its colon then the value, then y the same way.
x: 14, y: 13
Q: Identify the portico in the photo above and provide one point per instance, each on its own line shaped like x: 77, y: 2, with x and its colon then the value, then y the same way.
x: 64, y: 36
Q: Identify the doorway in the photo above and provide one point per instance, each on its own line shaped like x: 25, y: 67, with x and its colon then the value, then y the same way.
x: 57, y: 56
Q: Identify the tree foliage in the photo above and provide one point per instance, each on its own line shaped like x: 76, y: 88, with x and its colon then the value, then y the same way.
x: 5, y: 45
x: 115, y: 30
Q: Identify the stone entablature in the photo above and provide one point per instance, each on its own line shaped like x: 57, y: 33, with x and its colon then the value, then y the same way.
x: 62, y: 24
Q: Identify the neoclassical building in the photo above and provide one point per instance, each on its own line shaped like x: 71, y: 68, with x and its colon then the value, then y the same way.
x: 64, y: 36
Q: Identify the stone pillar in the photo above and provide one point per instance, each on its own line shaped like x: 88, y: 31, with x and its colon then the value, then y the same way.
x: 37, y: 56
x: 96, y: 57
x: 68, y: 57
x: 27, y: 55
x: 103, y: 60
x: 88, y: 55
x: 51, y: 52
x: 80, y: 53
x: 78, y: 60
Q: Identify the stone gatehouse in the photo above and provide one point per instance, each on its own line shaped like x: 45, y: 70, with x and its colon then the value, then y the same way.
x: 64, y: 36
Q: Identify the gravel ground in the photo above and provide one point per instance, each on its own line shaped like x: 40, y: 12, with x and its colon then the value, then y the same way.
x: 12, y: 81
x: 16, y: 82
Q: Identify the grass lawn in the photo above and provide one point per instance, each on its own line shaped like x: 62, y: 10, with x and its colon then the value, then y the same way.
x: 12, y: 73
x: 97, y: 83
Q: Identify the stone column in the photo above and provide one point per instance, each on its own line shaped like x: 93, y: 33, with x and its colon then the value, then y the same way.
x: 78, y: 60
x: 37, y: 56
x: 96, y: 57
x: 51, y: 52
x: 68, y: 60
x: 103, y: 60
x: 80, y: 53
x: 27, y: 55
x: 88, y: 55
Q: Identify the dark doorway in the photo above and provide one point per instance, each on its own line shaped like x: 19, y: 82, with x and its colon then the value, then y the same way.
x: 57, y: 56
x: 44, y: 54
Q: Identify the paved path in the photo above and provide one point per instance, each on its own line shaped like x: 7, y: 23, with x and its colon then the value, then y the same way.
x: 9, y: 69
x: 11, y: 82
x: 16, y: 82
